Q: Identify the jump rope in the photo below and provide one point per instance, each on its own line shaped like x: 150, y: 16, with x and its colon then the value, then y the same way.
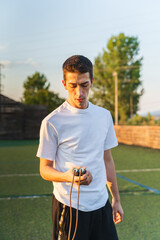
x: 76, y: 172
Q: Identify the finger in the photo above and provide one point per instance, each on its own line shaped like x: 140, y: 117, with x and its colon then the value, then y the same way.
x: 85, y: 176
x: 82, y: 178
x: 86, y: 181
x: 121, y: 215
x: 114, y: 216
x: 88, y: 176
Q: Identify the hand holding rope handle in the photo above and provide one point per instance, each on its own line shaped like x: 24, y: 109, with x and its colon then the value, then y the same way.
x: 76, y: 172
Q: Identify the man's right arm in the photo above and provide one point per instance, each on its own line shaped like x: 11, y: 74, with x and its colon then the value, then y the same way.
x: 49, y: 173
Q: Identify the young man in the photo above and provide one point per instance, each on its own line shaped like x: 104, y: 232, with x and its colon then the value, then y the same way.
x: 80, y: 134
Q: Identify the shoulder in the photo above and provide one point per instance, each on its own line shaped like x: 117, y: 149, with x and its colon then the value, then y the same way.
x: 54, y: 116
x: 100, y: 110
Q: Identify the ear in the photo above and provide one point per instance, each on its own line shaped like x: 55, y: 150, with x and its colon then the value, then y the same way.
x: 64, y: 84
x: 92, y: 82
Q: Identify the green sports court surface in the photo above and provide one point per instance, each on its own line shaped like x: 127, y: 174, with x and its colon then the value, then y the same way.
x: 25, y: 198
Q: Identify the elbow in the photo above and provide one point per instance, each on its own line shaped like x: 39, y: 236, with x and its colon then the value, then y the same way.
x: 45, y: 169
x: 42, y: 173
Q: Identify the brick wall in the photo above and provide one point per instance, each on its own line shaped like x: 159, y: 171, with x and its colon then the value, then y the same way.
x: 146, y: 136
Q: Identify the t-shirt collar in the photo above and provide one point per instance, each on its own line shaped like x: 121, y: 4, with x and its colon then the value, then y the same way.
x: 77, y: 110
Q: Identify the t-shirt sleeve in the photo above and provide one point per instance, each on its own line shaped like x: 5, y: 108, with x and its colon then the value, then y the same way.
x: 111, y: 140
x: 48, y: 141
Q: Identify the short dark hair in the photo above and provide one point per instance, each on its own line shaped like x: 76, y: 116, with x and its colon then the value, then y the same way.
x: 78, y: 64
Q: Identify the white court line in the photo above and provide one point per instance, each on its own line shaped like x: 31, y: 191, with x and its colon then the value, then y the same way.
x: 138, y: 170
x: 24, y: 197
x: 118, y: 171
x: 21, y: 175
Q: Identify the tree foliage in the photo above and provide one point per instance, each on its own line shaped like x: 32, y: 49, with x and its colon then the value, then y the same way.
x: 36, y: 91
x: 143, y: 120
x: 121, y: 56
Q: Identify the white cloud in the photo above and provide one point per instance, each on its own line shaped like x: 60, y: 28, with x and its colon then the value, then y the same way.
x: 6, y: 62
x: 29, y: 61
x: 2, y: 47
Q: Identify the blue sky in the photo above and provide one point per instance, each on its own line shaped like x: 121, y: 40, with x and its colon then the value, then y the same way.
x: 39, y: 35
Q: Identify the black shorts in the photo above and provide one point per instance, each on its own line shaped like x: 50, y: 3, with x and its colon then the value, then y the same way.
x: 94, y: 225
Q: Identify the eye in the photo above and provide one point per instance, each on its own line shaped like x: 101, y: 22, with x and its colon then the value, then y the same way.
x: 85, y: 85
x: 73, y: 86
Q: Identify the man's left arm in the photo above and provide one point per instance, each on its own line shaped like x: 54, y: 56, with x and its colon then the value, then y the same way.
x: 113, y: 187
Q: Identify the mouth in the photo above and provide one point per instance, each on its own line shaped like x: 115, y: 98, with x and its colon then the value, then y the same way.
x: 80, y: 99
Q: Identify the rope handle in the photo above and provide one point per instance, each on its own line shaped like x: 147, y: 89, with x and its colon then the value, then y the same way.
x: 70, y: 224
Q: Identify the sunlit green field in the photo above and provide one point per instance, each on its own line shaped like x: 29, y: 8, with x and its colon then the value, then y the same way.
x: 30, y: 218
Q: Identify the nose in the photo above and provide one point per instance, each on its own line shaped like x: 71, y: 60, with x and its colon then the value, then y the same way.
x: 79, y: 92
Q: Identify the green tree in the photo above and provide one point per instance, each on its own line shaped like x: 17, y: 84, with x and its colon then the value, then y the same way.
x: 143, y: 120
x: 36, y: 91
x: 121, y: 56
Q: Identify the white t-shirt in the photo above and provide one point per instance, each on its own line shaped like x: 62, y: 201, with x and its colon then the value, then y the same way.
x: 78, y: 137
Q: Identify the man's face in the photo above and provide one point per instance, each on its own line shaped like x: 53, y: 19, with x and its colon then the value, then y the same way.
x: 78, y: 86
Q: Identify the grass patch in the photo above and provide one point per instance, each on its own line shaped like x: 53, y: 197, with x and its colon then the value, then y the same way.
x: 29, y: 219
